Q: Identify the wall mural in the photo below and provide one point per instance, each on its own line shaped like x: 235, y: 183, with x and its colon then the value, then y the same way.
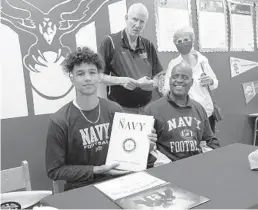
x: 43, y: 45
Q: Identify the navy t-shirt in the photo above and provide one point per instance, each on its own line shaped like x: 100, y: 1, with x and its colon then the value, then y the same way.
x: 180, y: 129
x: 75, y: 145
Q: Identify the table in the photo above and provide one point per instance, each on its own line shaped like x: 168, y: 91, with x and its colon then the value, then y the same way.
x: 255, y: 126
x: 223, y: 175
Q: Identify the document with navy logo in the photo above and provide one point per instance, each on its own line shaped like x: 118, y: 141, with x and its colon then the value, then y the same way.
x: 143, y: 191
x: 129, y: 144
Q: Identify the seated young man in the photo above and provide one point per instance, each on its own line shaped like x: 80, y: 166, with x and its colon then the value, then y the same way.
x: 79, y: 132
x: 180, y: 123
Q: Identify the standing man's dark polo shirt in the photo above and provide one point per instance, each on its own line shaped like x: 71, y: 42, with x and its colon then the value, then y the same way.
x: 122, y: 61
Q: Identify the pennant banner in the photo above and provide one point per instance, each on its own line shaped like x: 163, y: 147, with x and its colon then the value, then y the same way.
x: 239, y: 66
x: 250, y: 90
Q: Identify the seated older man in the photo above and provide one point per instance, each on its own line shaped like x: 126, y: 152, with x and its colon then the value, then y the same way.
x: 180, y: 122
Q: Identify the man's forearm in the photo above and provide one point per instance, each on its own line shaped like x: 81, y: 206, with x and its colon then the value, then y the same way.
x: 110, y: 80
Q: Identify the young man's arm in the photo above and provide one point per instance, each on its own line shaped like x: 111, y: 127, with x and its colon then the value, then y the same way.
x: 56, y: 149
x: 56, y: 166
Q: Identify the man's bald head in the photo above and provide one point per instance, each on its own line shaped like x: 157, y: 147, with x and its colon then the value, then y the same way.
x: 184, y: 67
x: 181, y: 80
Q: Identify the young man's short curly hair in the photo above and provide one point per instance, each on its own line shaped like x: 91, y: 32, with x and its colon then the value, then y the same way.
x: 82, y: 55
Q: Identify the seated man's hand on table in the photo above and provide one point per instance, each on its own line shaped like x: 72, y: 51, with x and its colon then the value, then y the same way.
x: 146, y: 83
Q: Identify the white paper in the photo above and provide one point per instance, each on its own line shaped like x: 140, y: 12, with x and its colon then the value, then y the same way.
x: 117, y: 12
x: 129, y: 184
x: 129, y: 144
x: 212, y: 36
x: 13, y: 94
x: 168, y: 24
x: 242, y: 34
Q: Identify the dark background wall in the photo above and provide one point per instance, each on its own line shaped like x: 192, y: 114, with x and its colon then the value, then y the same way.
x: 24, y: 138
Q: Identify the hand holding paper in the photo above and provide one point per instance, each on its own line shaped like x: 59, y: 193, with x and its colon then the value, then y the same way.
x: 128, y: 83
x: 146, y: 83
x: 118, y: 172
x: 104, y: 168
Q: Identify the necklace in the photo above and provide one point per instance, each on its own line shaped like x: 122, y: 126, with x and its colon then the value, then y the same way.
x: 86, y: 117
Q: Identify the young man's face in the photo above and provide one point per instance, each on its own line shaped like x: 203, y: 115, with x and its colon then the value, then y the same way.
x: 85, y: 78
x: 135, y: 22
x: 181, y: 81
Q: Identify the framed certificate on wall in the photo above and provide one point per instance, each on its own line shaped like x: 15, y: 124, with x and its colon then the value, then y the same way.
x: 241, y: 25
x: 170, y: 15
x: 212, y: 25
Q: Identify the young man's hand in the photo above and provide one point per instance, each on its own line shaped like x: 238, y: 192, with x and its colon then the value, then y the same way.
x: 109, y: 169
x: 117, y: 172
x: 104, y: 168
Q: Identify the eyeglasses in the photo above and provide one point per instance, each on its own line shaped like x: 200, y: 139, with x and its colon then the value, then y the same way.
x: 182, y: 40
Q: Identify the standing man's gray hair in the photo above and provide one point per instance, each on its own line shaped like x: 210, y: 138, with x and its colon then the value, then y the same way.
x: 138, y: 7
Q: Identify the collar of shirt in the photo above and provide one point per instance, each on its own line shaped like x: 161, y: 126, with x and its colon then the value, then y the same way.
x: 125, y: 42
x: 199, y: 56
x: 173, y: 102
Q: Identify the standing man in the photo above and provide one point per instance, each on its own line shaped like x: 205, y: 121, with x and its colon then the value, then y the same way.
x: 131, y: 61
x: 79, y: 133
x: 180, y: 122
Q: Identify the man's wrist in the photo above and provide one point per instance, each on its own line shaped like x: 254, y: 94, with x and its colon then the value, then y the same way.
x: 96, y: 169
x: 120, y: 81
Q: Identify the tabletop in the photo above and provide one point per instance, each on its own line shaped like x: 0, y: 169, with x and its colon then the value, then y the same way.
x: 223, y: 175
x: 253, y: 115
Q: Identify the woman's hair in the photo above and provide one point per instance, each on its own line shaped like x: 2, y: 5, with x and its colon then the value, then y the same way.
x: 82, y: 55
x: 183, y: 31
